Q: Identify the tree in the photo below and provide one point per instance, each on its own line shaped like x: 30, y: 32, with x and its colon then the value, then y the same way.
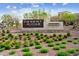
x: 67, y: 17
x: 7, y: 20
x: 36, y: 14
x: 10, y: 21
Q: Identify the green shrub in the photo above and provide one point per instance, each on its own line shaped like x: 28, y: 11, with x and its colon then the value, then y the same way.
x: 69, y: 40
x: 54, y: 35
x: 62, y: 53
x: 7, y: 47
x: 60, y: 38
x: 56, y: 48
x: 7, y: 31
x: 50, y: 45
x: 44, y: 50
x: 27, y: 54
x: 60, y: 35
x: 12, y: 52
x: 49, y: 41
x: 72, y: 50
x: 75, y: 42
x: 63, y: 42
x: 25, y: 49
x: 57, y: 43
x: 68, y: 34
x: 38, y: 46
x: 37, y: 43
x: 31, y: 43
x: 62, y: 46
x: 17, y: 45
x: 77, y: 49
x: 1, y: 49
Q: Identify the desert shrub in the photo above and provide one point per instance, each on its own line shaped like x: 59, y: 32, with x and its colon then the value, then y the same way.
x: 49, y: 41
x: 50, y: 45
x: 44, y: 50
x: 75, y: 42
x: 38, y: 46
x: 60, y: 38
x: 3, y: 31
x: 25, y: 49
x: 7, y: 31
x: 62, y: 46
x: 69, y: 40
x: 1, y: 49
x: 68, y: 34
x: 65, y: 36
x: 10, y: 35
x: 62, y: 53
x: 37, y: 42
x: 26, y: 44
x: 54, y: 35
x: 56, y: 48
x: 57, y: 43
x: 75, y: 38
x: 60, y: 35
x: 55, y: 39
x: 27, y: 54
x: 72, y: 50
x: 31, y: 43
x: 63, y: 42
x: 77, y: 49
x: 12, y: 52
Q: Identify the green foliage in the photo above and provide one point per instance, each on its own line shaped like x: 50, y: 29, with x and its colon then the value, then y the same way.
x: 62, y: 53
x: 65, y: 36
x: 56, y: 48
x: 31, y: 43
x: 7, y: 31
x: 7, y: 46
x: 1, y: 49
x: 27, y: 54
x: 38, y: 46
x: 69, y: 40
x: 68, y: 34
x: 62, y: 46
x: 63, y: 42
x: 37, y: 43
x: 25, y: 49
x: 12, y: 52
x: 72, y: 50
x: 57, y: 43
x: 75, y: 42
x: 77, y: 49
x: 50, y: 45
x: 54, y: 35
x: 67, y: 17
x: 49, y: 41
x: 17, y: 45
x: 60, y: 38
x: 44, y: 50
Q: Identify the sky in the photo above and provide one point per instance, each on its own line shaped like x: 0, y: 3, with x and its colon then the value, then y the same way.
x: 53, y: 8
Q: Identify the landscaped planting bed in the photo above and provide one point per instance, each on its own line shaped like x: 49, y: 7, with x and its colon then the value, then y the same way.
x: 35, y: 43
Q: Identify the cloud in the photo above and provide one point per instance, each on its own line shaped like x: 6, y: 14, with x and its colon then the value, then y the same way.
x: 8, y: 7
x: 35, y: 5
x: 64, y: 4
